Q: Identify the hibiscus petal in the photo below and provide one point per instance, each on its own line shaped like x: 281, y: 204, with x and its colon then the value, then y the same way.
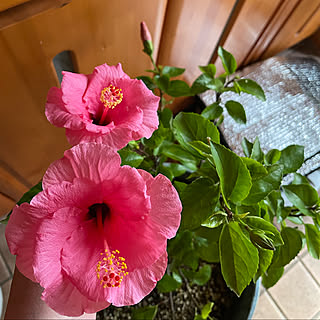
x: 79, y: 258
x: 139, y: 242
x: 81, y: 193
x: 165, y: 203
x: 65, y: 298
x: 51, y: 236
x: 102, y: 77
x: 93, y: 161
x: 135, y: 93
x: 73, y: 87
x: 137, y: 284
x: 58, y: 115
x: 23, y: 224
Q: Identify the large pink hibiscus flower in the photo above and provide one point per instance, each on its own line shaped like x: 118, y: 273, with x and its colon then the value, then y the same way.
x: 106, y: 107
x: 97, y: 233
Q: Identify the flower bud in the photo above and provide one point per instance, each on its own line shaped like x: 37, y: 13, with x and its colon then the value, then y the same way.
x: 146, y: 38
x: 259, y: 239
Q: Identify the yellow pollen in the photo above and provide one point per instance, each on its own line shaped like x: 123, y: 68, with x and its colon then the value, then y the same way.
x: 111, y: 269
x: 111, y: 96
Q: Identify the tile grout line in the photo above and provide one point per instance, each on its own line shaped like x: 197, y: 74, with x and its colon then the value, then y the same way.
x: 276, y: 304
x: 310, y: 273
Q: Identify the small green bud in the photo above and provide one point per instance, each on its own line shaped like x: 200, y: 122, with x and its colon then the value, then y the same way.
x: 260, y: 240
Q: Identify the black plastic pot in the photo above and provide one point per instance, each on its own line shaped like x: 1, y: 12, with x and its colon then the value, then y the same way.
x: 244, y: 306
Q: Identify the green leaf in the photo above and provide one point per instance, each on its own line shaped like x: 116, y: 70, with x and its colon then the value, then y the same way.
x: 177, y: 152
x: 130, y: 158
x: 212, y: 112
x: 272, y: 156
x: 302, y: 196
x: 238, y: 257
x: 168, y: 283
x: 271, y: 277
x: 144, y: 313
x: 236, y: 111
x: 263, y: 186
x: 172, y: 170
x: 181, y: 249
x: 292, y: 158
x: 246, y: 147
x: 313, y: 240
x: 157, y: 138
x: 172, y: 71
x: 198, y: 317
x: 220, y: 120
x: 200, y: 277
x: 166, y: 117
x: 205, y: 311
x: 202, y: 149
x: 265, y: 259
x: 256, y: 152
x: 292, y: 246
x: 235, y: 180
x: 276, y: 205
x: 215, y: 220
x: 228, y: 61
x: 210, y: 70
x: 201, y: 197
x: 299, y: 179
x: 210, y: 251
x: 180, y: 186
x: 251, y: 87
x: 205, y: 82
x: 256, y: 169
x: 190, y: 127
x: 269, y: 228
x: 178, y: 88
x: 162, y: 82
x: 148, y: 82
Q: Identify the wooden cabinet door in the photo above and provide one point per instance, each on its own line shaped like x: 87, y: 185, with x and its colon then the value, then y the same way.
x: 96, y: 32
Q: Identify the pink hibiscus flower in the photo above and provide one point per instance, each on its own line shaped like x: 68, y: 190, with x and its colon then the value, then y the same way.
x: 106, y: 107
x: 97, y: 233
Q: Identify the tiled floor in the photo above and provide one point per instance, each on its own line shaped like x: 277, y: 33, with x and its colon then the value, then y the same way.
x: 296, y: 295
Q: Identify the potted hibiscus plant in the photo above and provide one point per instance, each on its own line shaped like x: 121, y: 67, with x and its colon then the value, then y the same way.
x: 97, y: 224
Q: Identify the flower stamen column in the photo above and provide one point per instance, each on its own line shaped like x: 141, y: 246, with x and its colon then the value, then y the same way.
x: 111, y: 269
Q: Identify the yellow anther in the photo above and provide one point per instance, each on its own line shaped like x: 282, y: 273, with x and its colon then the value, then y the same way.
x: 111, y: 96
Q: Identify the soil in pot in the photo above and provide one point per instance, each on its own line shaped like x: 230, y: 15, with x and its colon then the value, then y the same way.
x: 215, y: 291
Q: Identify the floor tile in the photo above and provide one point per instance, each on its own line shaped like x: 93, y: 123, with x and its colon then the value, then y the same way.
x: 266, y: 309
x: 313, y: 266
x: 297, y: 294
x: 5, y: 291
x: 8, y: 257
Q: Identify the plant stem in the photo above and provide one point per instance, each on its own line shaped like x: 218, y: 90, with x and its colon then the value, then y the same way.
x: 228, y: 211
x: 189, y: 290
x: 171, y: 299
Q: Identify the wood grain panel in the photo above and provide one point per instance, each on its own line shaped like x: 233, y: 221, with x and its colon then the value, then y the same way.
x: 6, y: 205
x: 96, y: 32
x: 11, y: 186
x: 304, y: 20
x: 6, y: 4
x: 191, y: 32
x: 277, y: 20
x: 247, y: 29
x: 28, y: 10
